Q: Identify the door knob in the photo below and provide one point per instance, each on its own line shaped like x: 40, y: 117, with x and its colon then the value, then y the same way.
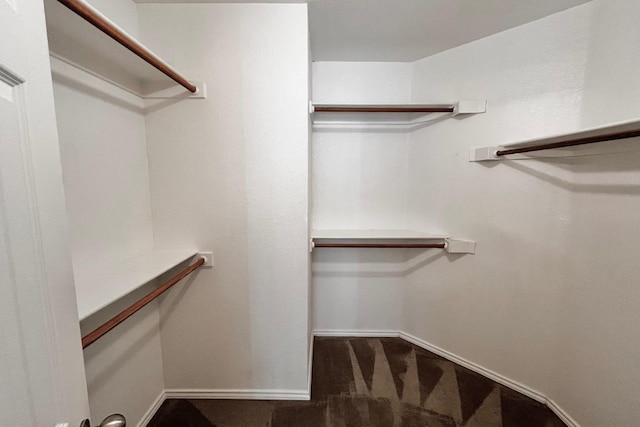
x: 114, y: 420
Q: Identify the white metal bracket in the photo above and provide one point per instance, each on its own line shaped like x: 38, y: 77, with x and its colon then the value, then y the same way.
x: 208, y: 258
x: 312, y: 245
x: 459, y: 246
x: 470, y: 106
x: 483, y: 154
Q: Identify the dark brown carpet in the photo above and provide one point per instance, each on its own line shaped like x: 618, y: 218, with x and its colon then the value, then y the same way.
x: 373, y: 382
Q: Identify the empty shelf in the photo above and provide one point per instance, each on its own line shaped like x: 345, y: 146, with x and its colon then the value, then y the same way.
x: 97, y: 289
x: 389, y: 239
x: 406, y: 115
x: 74, y: 40
x: 613, y: 138
x: 382, y: 235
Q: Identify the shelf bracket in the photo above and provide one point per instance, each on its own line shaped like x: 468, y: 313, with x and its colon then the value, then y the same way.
x: 484, y: 154
x: 208, y: 259
x: 459, y: 246
x: 470, y: 106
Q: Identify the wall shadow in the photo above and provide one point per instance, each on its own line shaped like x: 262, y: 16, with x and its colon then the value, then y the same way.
x: 377, y: 126
x: 619, y: 162
x: 108, y: 343
x: 70, y: 83
x: 375, y: 263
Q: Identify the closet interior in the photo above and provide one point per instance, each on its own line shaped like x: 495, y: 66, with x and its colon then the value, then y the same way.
x: 104, y: 157
x: 386, y: 117
x: 552, y: 146
x: 132, y: 129
x: 368, y: 211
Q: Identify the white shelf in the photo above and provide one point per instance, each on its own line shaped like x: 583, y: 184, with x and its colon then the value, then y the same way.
x: 77, y: 42
x: 403, y: 115
x: 382, y: 237
x: 379, y: 235
x: 604, y: 147
x: 97, y: 289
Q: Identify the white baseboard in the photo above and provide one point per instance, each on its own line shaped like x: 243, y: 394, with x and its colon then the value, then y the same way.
x: 488, y: 373
x: 492, y: 375
x: 221, y: 394
x: 237, y: 394
x: 146, y: 418
x: 562, y: 414
x: 355, y: 333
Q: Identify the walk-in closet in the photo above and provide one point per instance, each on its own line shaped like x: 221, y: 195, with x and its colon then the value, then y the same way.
x: 320, y: 213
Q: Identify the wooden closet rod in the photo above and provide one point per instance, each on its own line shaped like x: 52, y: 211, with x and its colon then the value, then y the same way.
x: 571, y: 142
x: 101, y: 22
x: 96, y: 334
x: 438, y: 245
x: 384, y: 109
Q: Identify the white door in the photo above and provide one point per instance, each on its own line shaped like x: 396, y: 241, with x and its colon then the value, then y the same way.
x: 42, y: 379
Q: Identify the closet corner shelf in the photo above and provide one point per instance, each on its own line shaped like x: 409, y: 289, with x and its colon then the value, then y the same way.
x: 389, y: 239
x: 620, y: 137
x: 388, y: 114
x: 95, y: 290
x: 83, y: 37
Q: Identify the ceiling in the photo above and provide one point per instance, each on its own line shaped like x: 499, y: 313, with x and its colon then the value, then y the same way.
x: 405, y: 30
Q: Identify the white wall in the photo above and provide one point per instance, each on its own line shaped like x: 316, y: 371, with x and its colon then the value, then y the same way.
x: 229, y: 174
x: 359, y: 181
x: 122, y: 12
x: 548, y: 300
x: 611, y: 88
x: 598, y: 350
x: 500, y: 307
x: 104, y: 160
x: 103, y: 147
x: 367, y: 165
x: 124, y: 367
